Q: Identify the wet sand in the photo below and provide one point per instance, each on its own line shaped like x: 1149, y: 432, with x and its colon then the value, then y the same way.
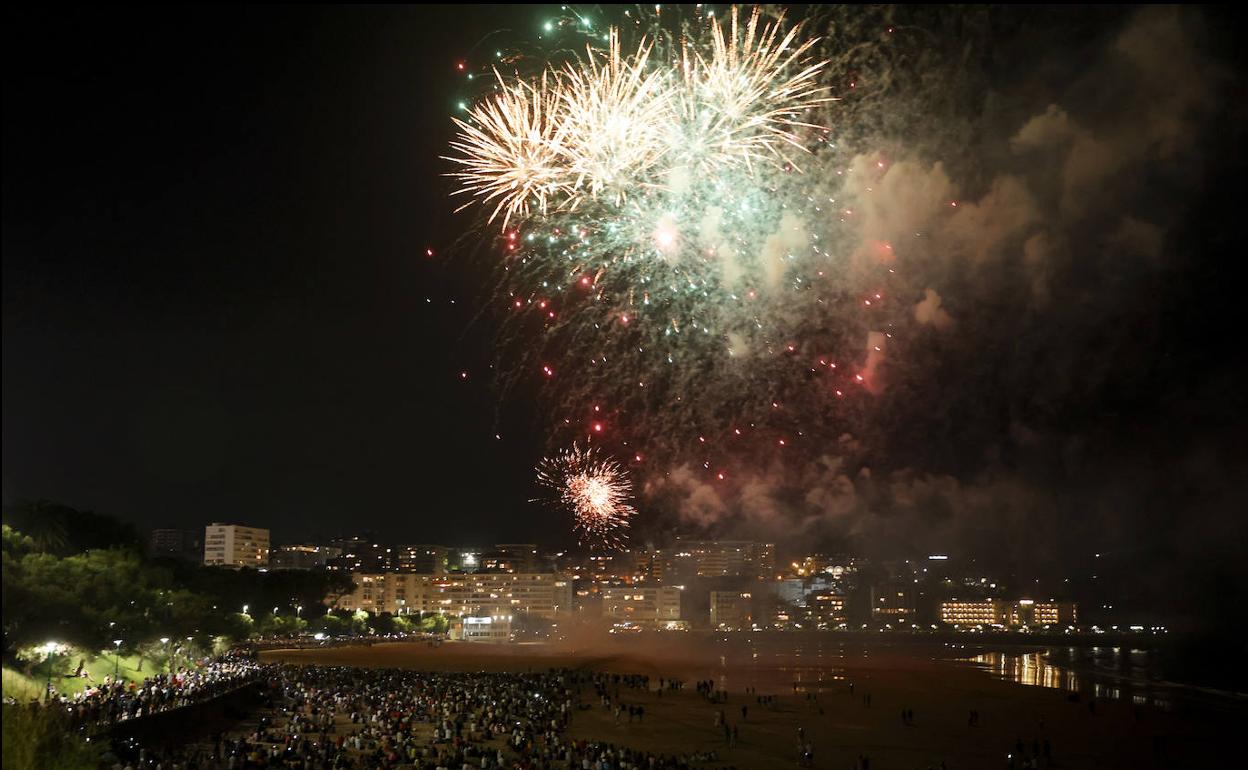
x: 841, y: 727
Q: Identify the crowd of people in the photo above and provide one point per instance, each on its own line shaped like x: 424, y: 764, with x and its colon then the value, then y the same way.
x: 347, y: 718
x: 99, y: 706
x: 336, y: 718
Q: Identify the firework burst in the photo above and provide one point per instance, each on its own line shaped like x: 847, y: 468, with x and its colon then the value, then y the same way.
x: 511, y: 147
x: 610, y: 124
x: 744, y: 100
x: 595, y: 489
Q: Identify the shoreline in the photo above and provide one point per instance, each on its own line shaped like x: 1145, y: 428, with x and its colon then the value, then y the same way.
x: 958, y: 652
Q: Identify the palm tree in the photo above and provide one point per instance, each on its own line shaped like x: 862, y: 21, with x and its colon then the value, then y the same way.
x: 42, y: 521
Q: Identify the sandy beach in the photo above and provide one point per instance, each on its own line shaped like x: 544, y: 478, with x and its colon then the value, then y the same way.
x: 813, y: 689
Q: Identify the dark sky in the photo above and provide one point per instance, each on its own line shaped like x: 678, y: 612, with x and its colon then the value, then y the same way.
x: 214, y: 274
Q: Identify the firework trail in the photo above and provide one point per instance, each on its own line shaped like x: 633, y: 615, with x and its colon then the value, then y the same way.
x: 595, y: 489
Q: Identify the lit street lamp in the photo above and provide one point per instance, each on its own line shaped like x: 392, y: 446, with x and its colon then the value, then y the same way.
x: 116, y: 658
x: 49, y: 649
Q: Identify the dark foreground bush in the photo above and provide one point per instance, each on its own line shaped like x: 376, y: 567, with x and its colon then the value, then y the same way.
x: 38, y: 739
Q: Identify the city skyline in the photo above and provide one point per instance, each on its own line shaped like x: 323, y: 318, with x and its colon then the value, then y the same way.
x: 819, y: 581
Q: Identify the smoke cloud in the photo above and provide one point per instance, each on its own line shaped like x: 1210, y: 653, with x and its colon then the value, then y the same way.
x: 1033, y: 402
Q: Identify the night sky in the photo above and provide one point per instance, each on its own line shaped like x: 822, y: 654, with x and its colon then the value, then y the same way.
x: 215, y: 277
x: 218, y: 306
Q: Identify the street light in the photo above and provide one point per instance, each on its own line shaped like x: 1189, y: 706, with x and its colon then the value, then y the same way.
x: 116, y: 658
x: 49, y: 649
x: 298, y: 610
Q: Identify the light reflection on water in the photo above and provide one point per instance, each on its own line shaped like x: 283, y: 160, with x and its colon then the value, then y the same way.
x: 1031, y: 668
x: 775, y: 665
x: 778, y: 664
x: 1108, y: 673
x: 789, y: 663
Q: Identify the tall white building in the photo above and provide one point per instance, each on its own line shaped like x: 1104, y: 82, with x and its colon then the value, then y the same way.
x: 233, y: 545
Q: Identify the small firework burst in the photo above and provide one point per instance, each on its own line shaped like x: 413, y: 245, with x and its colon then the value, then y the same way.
x: 597, y: 491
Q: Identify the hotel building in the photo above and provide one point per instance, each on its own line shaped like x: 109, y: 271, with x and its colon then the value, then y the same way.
x: 1002, y: 612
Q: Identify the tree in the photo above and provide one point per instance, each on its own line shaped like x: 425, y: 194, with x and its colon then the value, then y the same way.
x: 280, y: 625
x: 386, y: 623
x: 93, y: 598
x: 435, y: 624
x: 402, y: 624
x: 332, y: 624
x: 62, y: 530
